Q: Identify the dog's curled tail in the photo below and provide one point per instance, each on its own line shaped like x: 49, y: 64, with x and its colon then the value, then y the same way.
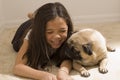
x: 110, y: 49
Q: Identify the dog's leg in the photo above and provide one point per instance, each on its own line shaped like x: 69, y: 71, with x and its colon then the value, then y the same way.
x: 81, y: 69
x: 102, y: 66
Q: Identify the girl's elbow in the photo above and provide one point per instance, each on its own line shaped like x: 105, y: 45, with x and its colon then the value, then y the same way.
x: 15, y: 69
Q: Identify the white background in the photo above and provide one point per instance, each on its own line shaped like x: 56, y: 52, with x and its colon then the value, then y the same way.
x: 81, y: 11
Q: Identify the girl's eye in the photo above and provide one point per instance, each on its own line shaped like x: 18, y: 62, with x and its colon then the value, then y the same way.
x: 49, y: 32
x: 62, y: 31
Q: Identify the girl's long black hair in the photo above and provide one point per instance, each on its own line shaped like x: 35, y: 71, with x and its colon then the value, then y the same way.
x: 39, y: 50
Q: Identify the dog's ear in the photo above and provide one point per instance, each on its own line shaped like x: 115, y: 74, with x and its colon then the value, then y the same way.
x: 87, y: 48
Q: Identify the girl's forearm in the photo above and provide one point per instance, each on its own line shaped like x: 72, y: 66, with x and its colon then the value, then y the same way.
x: 66, y: 66
x: 26, y: 71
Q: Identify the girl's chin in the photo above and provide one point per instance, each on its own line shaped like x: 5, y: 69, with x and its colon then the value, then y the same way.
x: 55, y: 46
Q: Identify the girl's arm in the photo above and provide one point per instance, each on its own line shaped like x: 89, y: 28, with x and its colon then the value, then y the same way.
x: 65, y: 68
x: 21, y: 69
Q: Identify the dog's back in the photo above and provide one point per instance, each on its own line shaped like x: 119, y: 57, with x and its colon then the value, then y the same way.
x: 94, y: 37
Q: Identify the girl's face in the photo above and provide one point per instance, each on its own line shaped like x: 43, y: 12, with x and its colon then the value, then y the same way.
x: 56, y: 32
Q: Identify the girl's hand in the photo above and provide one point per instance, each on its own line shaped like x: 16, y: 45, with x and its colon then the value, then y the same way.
x: 48, y: 76
x: 63, y: 75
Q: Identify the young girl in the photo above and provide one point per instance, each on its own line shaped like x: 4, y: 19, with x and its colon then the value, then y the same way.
x: 44, y: 44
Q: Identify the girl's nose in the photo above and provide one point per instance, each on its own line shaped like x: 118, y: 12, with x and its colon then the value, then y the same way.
x: 57, y: 36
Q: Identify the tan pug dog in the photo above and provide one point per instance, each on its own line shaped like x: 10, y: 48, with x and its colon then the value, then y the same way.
x: 88, y: 49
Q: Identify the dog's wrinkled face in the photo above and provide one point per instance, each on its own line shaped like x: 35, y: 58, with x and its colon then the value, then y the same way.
x: 79, y: 46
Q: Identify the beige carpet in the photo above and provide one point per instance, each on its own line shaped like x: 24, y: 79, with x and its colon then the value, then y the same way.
x: 109, y: 30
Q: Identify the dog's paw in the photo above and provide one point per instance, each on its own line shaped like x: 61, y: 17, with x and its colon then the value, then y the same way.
x: 85, y: 73
x: 103, y: 70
